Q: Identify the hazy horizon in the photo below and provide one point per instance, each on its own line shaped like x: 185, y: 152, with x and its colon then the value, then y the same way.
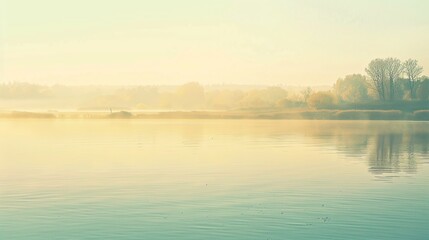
x: 222, y: 42
x: 216, y: 119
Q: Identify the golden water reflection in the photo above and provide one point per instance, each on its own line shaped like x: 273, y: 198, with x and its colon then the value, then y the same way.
x: 386, y: 147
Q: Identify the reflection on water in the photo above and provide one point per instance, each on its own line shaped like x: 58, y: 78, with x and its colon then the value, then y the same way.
x: 388, y: 154
x: 388, y: 149
x: 213, y: 179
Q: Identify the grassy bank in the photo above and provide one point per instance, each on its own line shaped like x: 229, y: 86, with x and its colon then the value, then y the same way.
x: 422, y: 115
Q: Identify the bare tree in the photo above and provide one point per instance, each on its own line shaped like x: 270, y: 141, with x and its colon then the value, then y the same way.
x: 412, y: 71
x: 376, y: 71
x: 394, y: 70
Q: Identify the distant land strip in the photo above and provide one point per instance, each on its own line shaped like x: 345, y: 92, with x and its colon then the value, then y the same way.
x: 420, y: 115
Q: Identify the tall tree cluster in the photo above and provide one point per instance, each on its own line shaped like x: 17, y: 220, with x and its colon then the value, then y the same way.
x: 385, y: 75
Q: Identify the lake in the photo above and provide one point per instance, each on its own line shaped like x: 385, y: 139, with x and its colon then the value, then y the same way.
x: 213, y: 179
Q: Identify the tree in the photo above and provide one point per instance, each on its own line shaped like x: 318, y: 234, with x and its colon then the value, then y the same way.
x: 273, y: 94
x: 306, y: 93
x: 412, y: 71
x: 384, y: 74
x: 223, y: 99
x: 423, y: 89
x: 351, y: 89
x: 263, y: 98
x: 376, y: 71
x: 402, y: 91
x: 321, y: 100
x: 254, y: 100
x: 190, y: 95
x: 394, y: 70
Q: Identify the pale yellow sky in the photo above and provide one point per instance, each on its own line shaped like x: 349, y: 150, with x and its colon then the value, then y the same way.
x: 305, y: 42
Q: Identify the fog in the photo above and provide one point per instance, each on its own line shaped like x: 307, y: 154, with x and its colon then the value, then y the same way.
x: 218, y: 42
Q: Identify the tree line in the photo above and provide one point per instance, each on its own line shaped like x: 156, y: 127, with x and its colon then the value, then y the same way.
x: 388, y: 84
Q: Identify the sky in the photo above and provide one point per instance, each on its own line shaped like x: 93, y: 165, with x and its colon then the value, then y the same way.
x: 147, y: 42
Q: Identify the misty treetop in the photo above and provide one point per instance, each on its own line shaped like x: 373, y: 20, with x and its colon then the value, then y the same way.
x: 391, y: 79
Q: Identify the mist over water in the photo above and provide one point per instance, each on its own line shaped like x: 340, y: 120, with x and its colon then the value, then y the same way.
x: 213, y: 179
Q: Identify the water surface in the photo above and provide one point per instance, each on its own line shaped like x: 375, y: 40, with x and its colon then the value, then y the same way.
x: 213, y: 179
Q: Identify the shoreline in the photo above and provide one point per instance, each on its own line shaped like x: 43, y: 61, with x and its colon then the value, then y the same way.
x: 422, y: 115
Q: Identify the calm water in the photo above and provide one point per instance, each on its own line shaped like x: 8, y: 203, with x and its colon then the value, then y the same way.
x: 217, y: 179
